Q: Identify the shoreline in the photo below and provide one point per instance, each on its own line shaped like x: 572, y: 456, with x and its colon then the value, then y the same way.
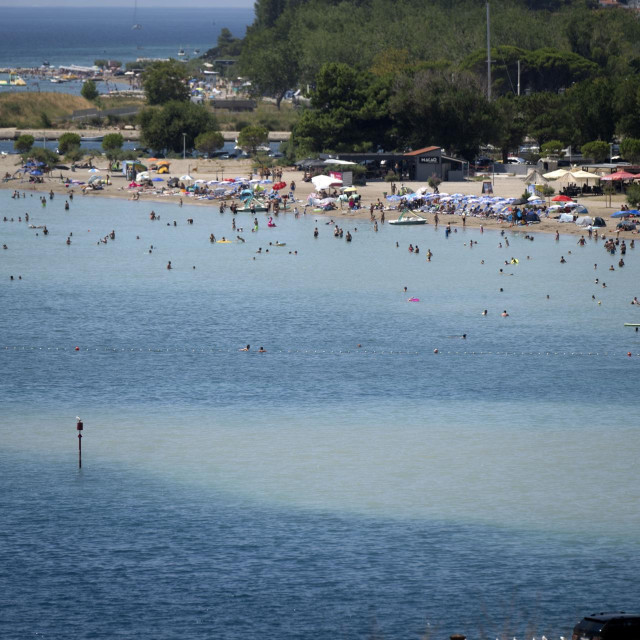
x: 507, y: 186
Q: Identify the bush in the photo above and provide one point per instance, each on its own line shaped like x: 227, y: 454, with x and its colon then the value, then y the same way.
x: 633, y: 195
x: 89, y: 90
x: 552, y: 148
x: 434, y: 181
x: 24, y: 143
x: 391, y: 177
x: 597, y: 150
x: 67, y: 142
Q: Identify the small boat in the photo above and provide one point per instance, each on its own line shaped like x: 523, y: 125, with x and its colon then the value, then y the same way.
x: 136, y: 27
x: 91, y: 138
x: 181, y: 52
x: 408, y: 217
x: 196, y: 52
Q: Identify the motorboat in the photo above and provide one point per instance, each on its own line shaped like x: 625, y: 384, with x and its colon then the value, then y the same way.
x: 181, y: 52
x: 408, y: 217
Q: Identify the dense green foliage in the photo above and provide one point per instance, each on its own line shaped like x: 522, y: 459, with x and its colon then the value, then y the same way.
x: 68, y: 142
x: 209, y: 142
x: 597, y: 150
x: 89, y: 90
x: 633, y: 195
x: 163, y: 127
x: 251, y: 137
x: 111, y: 144
x: 24, y: 143
x: 417, y: 71
x: 165, y: 81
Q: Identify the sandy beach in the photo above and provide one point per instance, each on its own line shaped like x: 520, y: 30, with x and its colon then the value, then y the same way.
x: 507, y: 186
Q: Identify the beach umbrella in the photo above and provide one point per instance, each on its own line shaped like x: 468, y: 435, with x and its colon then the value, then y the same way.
x: 394, y: 198
x: 617, y: 214
x: 553, y: 175
x: 561, y: 199
x: 279, y: 185
x: 93, y: 170
x: 92, y: 179
x: 619, y: 175
x: 157, y: 180
x: 36, y: 172
x: 186, y: 177
x: 324, y: 182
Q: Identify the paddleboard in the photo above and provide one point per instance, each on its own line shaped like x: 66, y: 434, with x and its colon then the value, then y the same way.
x: 631, y: 324
x: 223, y: 242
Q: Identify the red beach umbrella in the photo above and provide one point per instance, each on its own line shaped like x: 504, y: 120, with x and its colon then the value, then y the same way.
x: 561, y: 199
x: 279, y: 185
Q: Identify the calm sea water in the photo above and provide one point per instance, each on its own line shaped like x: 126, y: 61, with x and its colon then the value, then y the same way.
x: 323, y: 489
x: 80, y: 35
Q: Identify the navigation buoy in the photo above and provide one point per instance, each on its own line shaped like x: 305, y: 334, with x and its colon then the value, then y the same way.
x: 77, y: 348
x: 629, y: 353
x: 435, y: 351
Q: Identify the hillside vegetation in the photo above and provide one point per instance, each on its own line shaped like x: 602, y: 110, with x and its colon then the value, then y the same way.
x: 400, y: 73
x: 35, y: 110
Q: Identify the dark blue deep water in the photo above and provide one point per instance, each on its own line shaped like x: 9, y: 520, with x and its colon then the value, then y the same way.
x: 321, y: 490
x: 80, y: 35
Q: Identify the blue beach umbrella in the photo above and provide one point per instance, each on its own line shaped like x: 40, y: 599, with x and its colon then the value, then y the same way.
x: 622, y: 214
x: 157, y: 180
x: 36, y: 172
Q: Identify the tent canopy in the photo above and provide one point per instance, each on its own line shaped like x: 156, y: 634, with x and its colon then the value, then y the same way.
x: 554, y: 175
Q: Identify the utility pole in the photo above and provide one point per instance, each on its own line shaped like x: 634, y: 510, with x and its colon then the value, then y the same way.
x: 518, y: 77
x: 184, y: 146
x: 79, y: 428
x: 488, y: 55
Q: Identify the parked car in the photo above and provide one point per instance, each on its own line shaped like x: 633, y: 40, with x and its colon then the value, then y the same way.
x: 608, y: 626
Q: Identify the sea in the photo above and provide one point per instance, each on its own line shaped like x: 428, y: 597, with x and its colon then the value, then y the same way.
x: 81, y: 35
x: 348, y: 483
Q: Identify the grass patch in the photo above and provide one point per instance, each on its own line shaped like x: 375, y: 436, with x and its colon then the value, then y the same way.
x: 33, y: 110
x: 266, y: 114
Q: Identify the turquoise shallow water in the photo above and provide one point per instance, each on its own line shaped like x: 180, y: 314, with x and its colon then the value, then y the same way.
x: 321, y: 489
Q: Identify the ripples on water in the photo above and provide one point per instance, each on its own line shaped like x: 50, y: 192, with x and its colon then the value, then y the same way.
x: 321, y: 489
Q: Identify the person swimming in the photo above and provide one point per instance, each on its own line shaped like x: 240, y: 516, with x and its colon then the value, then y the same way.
x: 247, y: 348
x: 261, y: 350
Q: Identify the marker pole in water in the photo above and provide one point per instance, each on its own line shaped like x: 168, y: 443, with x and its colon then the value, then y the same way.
x: 79, y: 428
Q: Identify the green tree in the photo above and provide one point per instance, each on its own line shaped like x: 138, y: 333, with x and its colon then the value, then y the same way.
x: 227, y: 46
x: 165, y: 81
x: 591, y: 110
x: 267, y: 59
x: 111, y: 144
x: 68, y: 141
x: 209, y: 142
x: 547, y: 117
x: 163, y: 127
x: 24, y: 143
x: 89, y: 90
x: 630, y: 149
x: 431, y: 108
x: 511, y: 127
x: 42, y: 155
x: 552, y: 148
x: 73, y: 154
x: 251, y: 137
x: 350, y: 111
x: 633, y: 195
x: 597, y: 150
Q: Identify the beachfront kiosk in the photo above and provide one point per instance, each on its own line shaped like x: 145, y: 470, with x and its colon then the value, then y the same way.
x: 417, y: 165
x: 421, y: 164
